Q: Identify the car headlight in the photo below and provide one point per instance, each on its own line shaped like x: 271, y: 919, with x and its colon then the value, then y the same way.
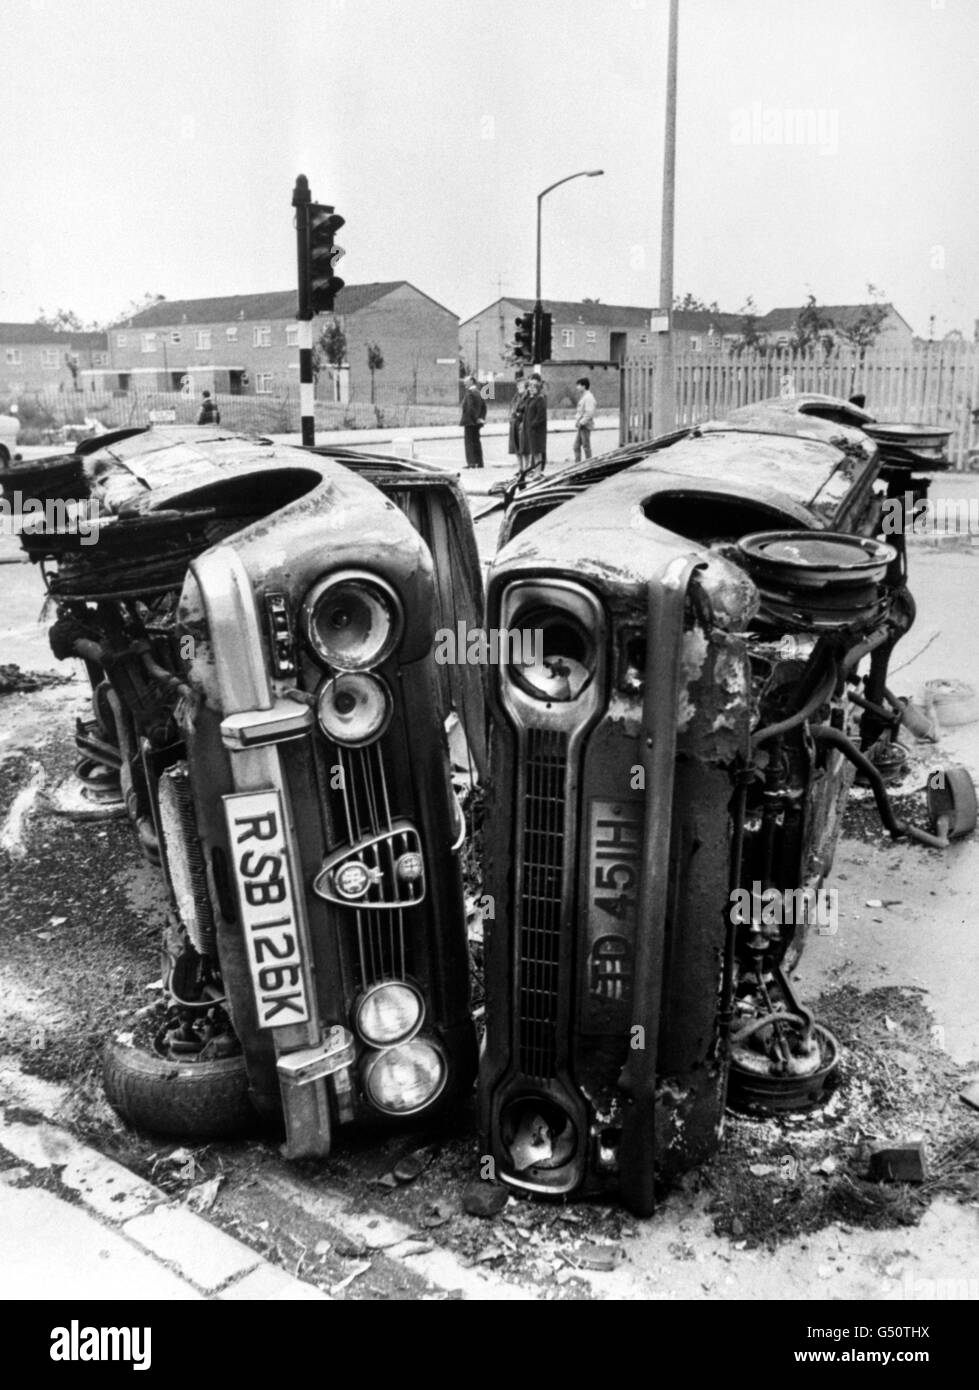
x: 351, y: 621
x: 389, y: 1013
x: 405, y: 1078
x: 353, y: 708
x: 563, y: 659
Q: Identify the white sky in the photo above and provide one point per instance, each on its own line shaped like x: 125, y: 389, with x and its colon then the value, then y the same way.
x: 153, y: 148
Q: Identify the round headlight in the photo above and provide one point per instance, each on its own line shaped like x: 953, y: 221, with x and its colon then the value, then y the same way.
x: 354, y: 708
x: 405, y: 1078
x: 351, y: 622
x: 389, y: 1013
x: 563, y: 656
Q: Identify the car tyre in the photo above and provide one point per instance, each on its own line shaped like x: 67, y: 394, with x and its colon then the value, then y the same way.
x: 191, y: 1100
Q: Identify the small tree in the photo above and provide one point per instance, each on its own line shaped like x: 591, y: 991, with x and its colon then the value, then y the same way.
x: 864, y: 330
x: 750, y: 340
x: 375, y: 363
x: 330, y: 347
x: 813, y: 328
x: 690, y: 301
x: 62, y: 321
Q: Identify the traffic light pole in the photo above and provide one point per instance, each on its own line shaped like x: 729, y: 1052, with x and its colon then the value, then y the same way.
x: 304, y: 313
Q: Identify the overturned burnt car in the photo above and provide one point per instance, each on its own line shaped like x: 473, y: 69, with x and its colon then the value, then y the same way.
x: 705, y: 609
x: 257, y: 622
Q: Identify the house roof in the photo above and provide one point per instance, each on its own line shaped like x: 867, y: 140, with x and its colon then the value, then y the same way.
x: 28, y: 333
x: 783, y: 320
x: 22, y: 333
x: 700, y: 320
x: 275, y: 304
x: 578, y: 311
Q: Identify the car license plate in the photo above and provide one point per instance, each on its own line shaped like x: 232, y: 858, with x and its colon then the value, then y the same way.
x: 614, y: 864
x: 268, y: 910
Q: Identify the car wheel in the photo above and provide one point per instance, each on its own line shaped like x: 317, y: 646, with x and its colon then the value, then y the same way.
x: 193, y: 1100
x: 952, y: 799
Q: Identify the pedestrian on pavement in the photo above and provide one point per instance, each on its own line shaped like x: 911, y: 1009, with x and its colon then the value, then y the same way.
x: 535, y: 429
x: 473, y: 417
x: 584, y: 419
x: 209, y: 413
x: 517, y: 407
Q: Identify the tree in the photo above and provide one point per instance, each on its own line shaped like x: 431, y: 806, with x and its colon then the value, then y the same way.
x: 750, y: 340
x: 864, y: 330
x: 62, y: 321
x: 375, y: 363
x: 330, y: 347
x: 813, y: 327
x: 136, y: 306
x: 694, y: 304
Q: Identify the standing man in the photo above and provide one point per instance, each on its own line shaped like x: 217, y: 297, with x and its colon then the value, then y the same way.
x: 209, y: 413
x: 584, y: 419
x: 473, y: 416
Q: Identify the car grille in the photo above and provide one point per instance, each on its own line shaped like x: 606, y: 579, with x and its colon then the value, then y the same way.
x: 541, y: 892
x: 383, y: 947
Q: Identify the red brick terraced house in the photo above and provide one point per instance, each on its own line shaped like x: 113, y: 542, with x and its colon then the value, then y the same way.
x: 248, y: 344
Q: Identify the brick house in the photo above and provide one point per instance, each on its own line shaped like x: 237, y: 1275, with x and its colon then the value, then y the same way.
x: 33, y: 357
x: 249, y: 344
x: 777, y: 327
x: 582, y: 332
x: 704, y: 330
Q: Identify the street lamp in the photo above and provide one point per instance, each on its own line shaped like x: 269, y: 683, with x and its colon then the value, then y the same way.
x: 582, y: 174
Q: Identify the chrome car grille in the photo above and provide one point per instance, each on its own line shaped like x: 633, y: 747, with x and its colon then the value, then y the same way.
x: 379, y: 840
x: 541, y: 891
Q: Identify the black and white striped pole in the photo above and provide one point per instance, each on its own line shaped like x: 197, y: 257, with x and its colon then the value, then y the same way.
x: 317, y: 255
x: 304, y: 313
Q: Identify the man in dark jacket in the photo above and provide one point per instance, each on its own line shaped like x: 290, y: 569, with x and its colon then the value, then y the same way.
x: 473, y: 415
x: 209, y: 413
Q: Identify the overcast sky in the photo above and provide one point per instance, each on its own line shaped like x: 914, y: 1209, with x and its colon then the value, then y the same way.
x: 153, y: 148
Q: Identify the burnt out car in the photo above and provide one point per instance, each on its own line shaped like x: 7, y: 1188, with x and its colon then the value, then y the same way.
x: 258, y: 621
x: 673, y: 763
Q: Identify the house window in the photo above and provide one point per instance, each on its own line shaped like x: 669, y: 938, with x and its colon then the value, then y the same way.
x: 148, y: 342
x: 263, y: 382
x: 49, y: 357
x: 13, y: 357
x: 261, y: 337
x: 567, y: 337
x: 202, y: 340
x: 120, y: 340
x: 696, y: 343
x: 591, y: 336
x: 231, y: 334
x: 292, y: 335
x: 100, y: 359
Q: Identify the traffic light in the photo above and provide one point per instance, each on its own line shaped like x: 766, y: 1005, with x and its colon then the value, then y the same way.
x: 523, y: 344
x: 542, y: 336
x: 324, y: 223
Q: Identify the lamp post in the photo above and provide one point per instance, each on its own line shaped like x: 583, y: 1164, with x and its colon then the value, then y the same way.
x: 582, y: 174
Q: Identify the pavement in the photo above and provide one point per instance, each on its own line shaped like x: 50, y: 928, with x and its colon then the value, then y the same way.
x: 78, y: 1226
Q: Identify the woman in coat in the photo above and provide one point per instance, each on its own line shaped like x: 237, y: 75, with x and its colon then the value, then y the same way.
x: 517, y: 407
x: 534, y: 435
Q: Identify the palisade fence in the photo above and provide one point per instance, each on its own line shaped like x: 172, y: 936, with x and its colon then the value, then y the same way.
x: 935, y: 384
x: 58, y: 416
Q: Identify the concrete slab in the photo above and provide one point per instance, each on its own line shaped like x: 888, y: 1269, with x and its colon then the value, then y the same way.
x: 53, y: 1250
x: 199, y: 1250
